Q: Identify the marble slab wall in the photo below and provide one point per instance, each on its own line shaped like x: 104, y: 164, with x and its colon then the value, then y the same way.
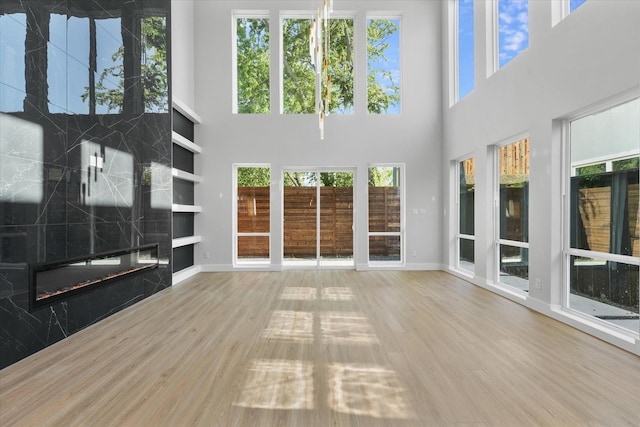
x: 85, y: 154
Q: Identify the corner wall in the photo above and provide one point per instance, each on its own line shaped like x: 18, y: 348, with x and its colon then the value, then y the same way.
x: 588, y: 57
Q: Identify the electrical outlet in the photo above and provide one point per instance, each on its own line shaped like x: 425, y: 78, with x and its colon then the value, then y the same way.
x: 538, y: 284
x: 414, y: 254
x: 206, y: 254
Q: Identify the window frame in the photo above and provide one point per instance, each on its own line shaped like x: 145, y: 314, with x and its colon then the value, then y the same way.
x: 459, y: 236
x: 246, y: 14
x: 497, y: 214
x: 234, y: 216
x: 493, y: 37
x: 568, y: 171
x: 401, y: 233
x: 454, y: 52
x: 390, y: 15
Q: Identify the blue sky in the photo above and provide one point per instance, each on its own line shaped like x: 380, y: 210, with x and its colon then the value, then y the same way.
x: 465, y: 48
x: 513, y: 29
x: 574, y: 4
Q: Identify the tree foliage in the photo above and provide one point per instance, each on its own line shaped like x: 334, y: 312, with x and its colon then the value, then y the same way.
x: 382, y: 91
x: 299, y: 70
x: 254, y: 177
x: 253, y: 65
x: 109, y: 89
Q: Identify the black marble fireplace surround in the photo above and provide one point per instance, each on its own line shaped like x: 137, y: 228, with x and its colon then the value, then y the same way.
x: 85, y: 156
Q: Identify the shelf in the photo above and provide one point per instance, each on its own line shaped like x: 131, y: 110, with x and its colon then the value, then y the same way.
x: 186, y: 208
x: 186, y: 111
x: 185, y: 143
x: 186, y: 176
x: 185, y: 241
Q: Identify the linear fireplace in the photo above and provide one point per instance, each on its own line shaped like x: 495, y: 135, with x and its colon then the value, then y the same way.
x: 54, y: 281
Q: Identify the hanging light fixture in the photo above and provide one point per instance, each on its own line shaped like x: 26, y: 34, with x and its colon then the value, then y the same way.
x: 319, y: 52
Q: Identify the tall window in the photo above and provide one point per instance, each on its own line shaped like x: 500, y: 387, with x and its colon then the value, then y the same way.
x: 512, y: 241
x: 252, y: 65
x: 466, y: 215
x: 465, y: 47
x: 383, y: 66
x: 253, y: 214
x: 513, y: 29
x: 385, y: 214
x: 299, y: 71
x: 603, y: 224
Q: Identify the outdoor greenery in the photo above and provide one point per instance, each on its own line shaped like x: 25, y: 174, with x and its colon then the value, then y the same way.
x: 299, y: 71
x: 260, y: 177
x: 383, y: 91
x: 109, y: 89
x: 253, y: 65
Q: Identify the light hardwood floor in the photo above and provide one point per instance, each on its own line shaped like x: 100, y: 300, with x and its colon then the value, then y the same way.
x: 325, y: 348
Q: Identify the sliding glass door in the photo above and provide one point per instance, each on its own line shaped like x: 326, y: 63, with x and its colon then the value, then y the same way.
x: 318, y: 218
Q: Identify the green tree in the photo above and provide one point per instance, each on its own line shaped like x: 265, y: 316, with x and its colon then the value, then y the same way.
x: 299, y: 78
x: 382, y: 91
x: 253, y: 65
x: 254, y: 177
x: 382, y: 176
x: 109, y: 89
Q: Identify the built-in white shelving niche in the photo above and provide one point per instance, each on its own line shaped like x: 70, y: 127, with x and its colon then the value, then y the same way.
x: 185, y: 178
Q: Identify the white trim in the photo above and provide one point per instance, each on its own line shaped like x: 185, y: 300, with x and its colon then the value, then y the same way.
x: 624, y: 259
x: 180, y: 140
x: 186, y: 208
x: 514, y: 243
x: 240, y: 263
x: 403, y: 217
x: 186, y: 176
x: 184, y: 274
x: 185, y: 241
x: 186, y: 111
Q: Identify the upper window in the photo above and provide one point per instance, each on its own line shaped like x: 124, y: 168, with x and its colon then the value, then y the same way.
x: 513, y: 29
x: 252, y: 65
x: 574, y: 4
x: 465, y: 47
x: 383, y: 66
x: 13, y: 32
x: 300, y: 94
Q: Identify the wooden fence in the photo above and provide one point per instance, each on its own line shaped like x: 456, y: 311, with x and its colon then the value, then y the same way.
x: 594, y: 206
x: 336, y: 221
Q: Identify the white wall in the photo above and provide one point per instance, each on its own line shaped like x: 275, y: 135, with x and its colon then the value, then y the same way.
x: 413, y: 138
x: 590, y: 56
x: 182, y: 51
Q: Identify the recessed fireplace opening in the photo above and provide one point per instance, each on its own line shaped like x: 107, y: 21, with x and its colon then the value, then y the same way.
x: 54, y: 281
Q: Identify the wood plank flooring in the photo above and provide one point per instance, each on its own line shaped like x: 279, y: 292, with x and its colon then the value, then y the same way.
x: 324, y: 348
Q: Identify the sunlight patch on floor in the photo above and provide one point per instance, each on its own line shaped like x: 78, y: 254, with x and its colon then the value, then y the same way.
x: 278, y: 384
x: 288, y: 325
x: 346, y: 328
x: 367, y: 390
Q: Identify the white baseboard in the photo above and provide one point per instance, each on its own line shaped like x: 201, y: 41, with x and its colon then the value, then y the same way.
x: 186, y: 273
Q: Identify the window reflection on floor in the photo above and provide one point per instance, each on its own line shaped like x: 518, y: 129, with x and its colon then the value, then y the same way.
x: 346, y: 328
x: 369, y: 390
x: 290, y: 325
x: 299, y: 293
x: 278, y: 384
x: 366, y: 390
x: 337, y: 294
